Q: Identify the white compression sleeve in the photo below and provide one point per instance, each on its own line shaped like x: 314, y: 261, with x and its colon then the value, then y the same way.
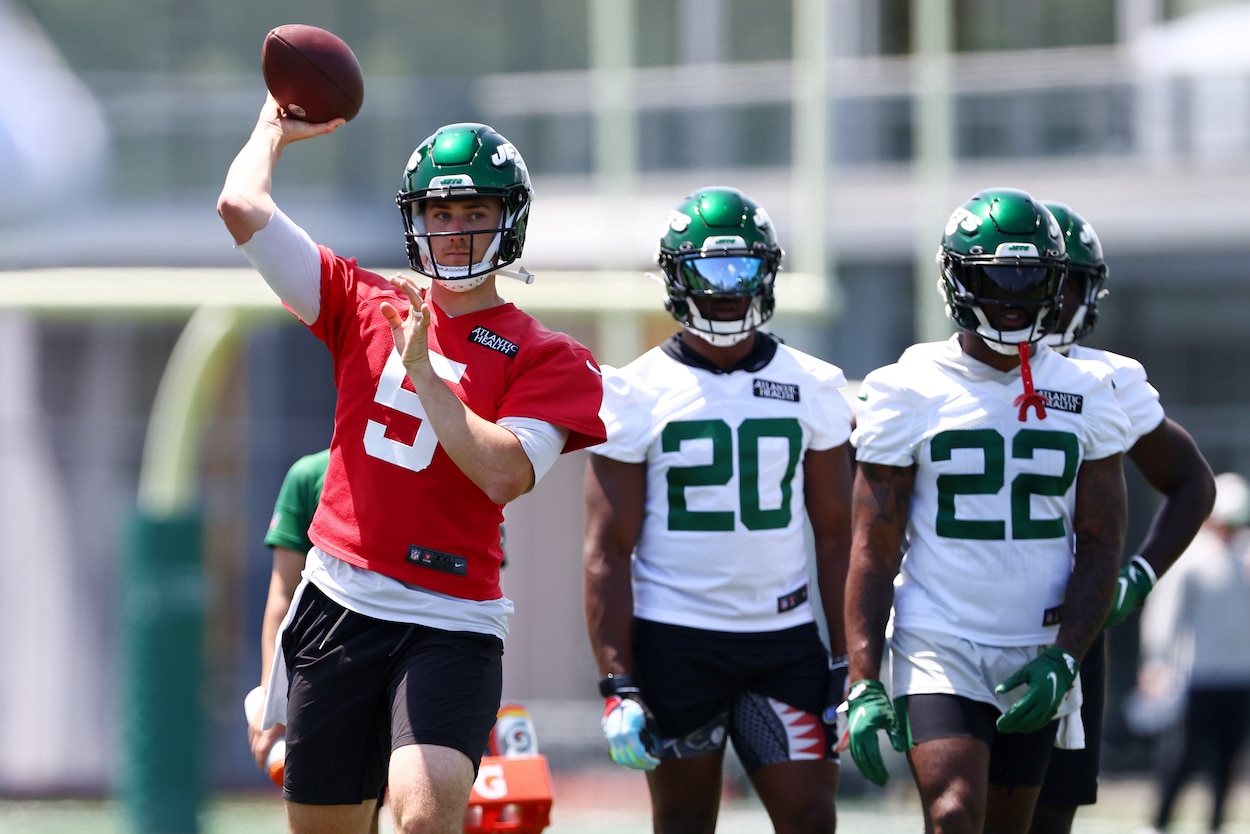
x: 541, y: 441
x: 288, y: 260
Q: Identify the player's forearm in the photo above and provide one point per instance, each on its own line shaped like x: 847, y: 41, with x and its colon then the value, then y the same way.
x: 880, y: 506
x: 869, y: 599
x: 276, y: 607
x: 827, y: 497
x: 488, y: 454
x: 832, y: 558
x: 1173, y: 465
x: 246, y: 202
x: 609, y: 607
x: 614, y: 494
x: 288, y: 567
x: 268, y: 635
x: 1099, y: 523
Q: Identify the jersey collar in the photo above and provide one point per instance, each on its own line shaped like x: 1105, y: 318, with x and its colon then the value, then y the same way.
x: 762, y: 352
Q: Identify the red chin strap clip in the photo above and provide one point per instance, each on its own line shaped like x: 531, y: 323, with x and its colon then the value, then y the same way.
x: 1029, y: 398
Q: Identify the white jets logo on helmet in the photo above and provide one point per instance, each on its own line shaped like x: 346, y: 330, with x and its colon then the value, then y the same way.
x: 507, y: 152
x: 961, y: 218
x: 1052, y: 229
x: 676, y: 221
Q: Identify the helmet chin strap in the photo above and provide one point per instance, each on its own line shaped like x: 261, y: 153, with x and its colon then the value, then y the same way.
x: 519, y: 274
x: 465, y: 284
x: 1003, y: 341
x: 461, y: 284
x: 475, y: 274
x: 705, y: 328
x: 719, y: 339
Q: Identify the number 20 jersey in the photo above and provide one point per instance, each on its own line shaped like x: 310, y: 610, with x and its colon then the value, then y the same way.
x: 722, y: 545
x: 990, y: 524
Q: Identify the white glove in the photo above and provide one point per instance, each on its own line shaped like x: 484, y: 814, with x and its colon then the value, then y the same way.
x: 631, y: 742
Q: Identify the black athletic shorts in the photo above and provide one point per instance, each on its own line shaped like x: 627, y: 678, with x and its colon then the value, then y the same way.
x: 1016, y: 760
x: 706, y: 686
x: 1072, y: 776
x: 361, y: 687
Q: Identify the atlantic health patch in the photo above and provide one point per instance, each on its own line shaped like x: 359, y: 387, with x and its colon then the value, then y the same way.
x: 787, y: 391
x: 1063, y: 401
x: 488, y: 339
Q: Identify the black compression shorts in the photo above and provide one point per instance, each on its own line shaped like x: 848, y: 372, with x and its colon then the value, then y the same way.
x: 361, y: 687
x: 1016, y: 760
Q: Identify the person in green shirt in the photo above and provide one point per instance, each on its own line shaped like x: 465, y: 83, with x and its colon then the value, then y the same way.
x: 287, y: 538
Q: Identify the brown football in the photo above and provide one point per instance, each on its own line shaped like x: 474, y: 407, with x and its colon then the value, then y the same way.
x: 312, y: 73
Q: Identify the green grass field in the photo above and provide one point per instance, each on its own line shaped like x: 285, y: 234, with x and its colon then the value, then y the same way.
x: 1123, y: 809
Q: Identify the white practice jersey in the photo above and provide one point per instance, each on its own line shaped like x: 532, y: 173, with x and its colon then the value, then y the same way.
x: 990, y: 524
x: 723, y: 543
x: 1136, y: 396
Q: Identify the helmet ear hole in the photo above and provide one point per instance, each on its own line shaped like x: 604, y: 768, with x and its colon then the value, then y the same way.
x: 679, y: 307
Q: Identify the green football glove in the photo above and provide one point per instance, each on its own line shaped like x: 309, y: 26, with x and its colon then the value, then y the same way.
x: 1049, y: 676
x: 869, y: 710
x: 1136, y: 580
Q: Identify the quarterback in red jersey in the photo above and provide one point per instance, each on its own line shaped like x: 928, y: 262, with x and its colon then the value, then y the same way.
x: 451, y: 403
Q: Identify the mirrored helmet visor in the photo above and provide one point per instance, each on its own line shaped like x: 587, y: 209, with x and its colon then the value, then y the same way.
x: 723, y: 275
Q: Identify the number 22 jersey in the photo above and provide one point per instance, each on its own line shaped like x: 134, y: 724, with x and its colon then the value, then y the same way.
x: 722, y: 544
x: 989, y: 530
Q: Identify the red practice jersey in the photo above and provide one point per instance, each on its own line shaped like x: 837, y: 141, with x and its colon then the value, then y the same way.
x: 393, y: 501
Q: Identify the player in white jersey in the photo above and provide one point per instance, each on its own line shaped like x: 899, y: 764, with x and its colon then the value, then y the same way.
x: 1169, y: 460
x: 723, y: 444
x: 987, y: 516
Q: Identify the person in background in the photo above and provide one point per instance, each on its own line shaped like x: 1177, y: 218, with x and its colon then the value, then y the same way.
x: 723, y: 444
x: 451, y: 403
x: 1168, y: 458
x: 1195, y: 629
x: 988, y: 521
x: 287, y: 538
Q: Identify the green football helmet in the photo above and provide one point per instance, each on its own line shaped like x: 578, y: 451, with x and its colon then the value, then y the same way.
x: 1087, y: 273
x: 464, y: 160
x: 718, y: 243
x: 1002, y: 250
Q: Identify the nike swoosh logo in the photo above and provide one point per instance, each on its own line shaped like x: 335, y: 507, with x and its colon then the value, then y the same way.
x: 1054, y: 686
x: 1121, y: 589
x: 593, y: 369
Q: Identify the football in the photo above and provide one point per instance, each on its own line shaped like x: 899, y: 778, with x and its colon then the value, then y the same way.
x: 312, y: 73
